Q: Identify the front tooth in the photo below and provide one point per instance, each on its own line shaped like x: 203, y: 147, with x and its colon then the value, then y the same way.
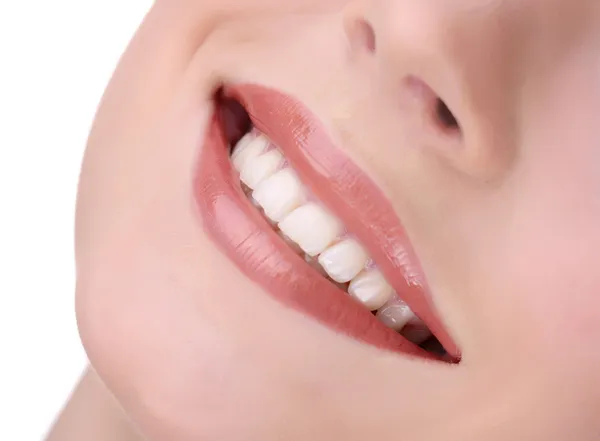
x: 371, y: 289
x: 395, y: 314
x: 258, y: 168
x: 344, y: 260
x: 248, y: 147
x: 311, y: 227
x: 313, y: 263
x: 279, y: 194
x: 293, y: 245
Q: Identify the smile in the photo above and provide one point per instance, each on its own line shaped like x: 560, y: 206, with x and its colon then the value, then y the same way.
x: 299, y: 218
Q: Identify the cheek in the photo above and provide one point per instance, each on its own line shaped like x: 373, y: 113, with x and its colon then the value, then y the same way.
x: 555, y: 239
x: 160, y: 327
x: 548, y: 244
x: 555, y: 254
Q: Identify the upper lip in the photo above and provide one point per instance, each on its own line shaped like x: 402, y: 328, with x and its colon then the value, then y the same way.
x: 345, y: 189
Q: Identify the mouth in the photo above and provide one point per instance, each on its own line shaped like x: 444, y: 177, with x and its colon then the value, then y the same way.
x: 300, y: 219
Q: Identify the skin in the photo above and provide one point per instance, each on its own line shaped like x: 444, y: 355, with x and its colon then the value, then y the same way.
x: 503, y: 215
x: 93, y: 414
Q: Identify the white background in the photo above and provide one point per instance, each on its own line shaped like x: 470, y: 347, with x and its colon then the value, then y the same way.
x: 56, y: 57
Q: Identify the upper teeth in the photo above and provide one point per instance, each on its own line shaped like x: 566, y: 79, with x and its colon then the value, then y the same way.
x: 258, y: 168
x: 248, y: 147
x: 311, y: 227
x: 344, y: 260
x: 284, y: 200
x: 371, y: 288
x: 279, y: 194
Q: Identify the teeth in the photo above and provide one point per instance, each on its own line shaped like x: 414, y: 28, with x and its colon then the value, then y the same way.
x: 311, y: 227
x: 279, y: 194
x: 395, y: 314
x: 248, y: 147
x: 253, y: 201
x: 310, y: 231
x: 344, y: 260
x: 293, y: 245
x: 241, y: 145
x: 416, y: 331
x: 258, y: 168
x: 315, y: 264
x: 371, y: 289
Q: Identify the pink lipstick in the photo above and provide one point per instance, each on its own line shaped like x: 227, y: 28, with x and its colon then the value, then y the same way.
x: 252, y: 244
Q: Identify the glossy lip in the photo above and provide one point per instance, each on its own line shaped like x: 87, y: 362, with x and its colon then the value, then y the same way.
x: 249, y: 241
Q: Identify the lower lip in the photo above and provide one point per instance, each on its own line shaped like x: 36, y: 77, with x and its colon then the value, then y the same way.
x: 252, y: 245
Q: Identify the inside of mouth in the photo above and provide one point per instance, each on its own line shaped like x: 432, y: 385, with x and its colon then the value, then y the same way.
x: 310, y: 230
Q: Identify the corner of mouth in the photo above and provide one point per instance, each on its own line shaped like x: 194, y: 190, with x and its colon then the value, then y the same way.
x: 298, y: 217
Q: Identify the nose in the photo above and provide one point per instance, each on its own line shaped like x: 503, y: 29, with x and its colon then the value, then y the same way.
x: 471, y: 57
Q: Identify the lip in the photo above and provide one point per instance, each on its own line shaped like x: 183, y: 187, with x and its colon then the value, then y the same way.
x: 252, y: 245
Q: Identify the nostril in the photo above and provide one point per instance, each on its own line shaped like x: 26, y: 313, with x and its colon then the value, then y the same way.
x: 362, y: 36
x: 434, y: 108
x: 445, y: 116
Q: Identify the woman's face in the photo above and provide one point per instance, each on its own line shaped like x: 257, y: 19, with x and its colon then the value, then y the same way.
x: 500, y: 208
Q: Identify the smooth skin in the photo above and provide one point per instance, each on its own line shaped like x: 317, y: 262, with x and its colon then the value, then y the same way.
x: 504, y: 217
x: 93, y: 414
